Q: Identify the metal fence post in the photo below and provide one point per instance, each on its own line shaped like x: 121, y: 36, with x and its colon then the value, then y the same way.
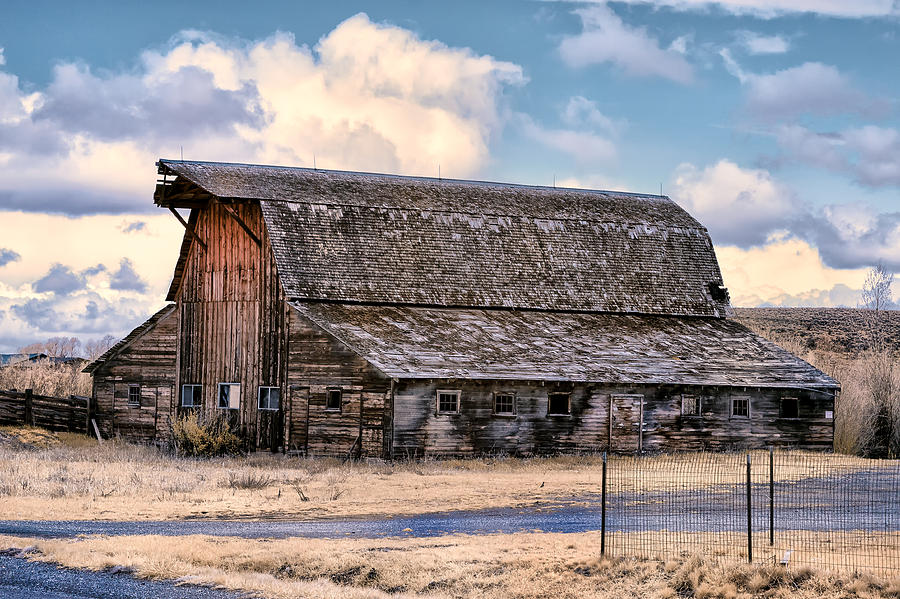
x: 771, y: 496
x: 603, y: 510
x: 749, y: 516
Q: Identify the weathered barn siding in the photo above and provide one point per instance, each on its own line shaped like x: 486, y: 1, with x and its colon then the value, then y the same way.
x: 232, y: 326
x: 602, y: 418
x: 318, y: 362
x: 148, y: 361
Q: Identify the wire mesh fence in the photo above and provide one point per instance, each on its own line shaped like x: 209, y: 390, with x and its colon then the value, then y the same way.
x: 833, y: 512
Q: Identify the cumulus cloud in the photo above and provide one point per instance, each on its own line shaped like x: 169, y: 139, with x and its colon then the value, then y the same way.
x: 59, y: 280
x: 767, y: 9
x: 581, y: 112
x: 367, y: 96
x: 606, y: 38
x: 756, y: 43
x: 739, y: 206
x: 127, y: 279
x: 7, y: 255
x: 811, y: 88
x: 870, y: 154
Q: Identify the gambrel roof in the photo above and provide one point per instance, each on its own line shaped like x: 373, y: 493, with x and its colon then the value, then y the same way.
x: 421, y: 342
x: 387, y: 239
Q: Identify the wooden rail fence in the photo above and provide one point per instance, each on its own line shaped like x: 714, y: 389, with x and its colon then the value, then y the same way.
x: 70, y: 414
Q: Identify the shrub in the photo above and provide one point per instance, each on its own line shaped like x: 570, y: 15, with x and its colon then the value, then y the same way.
x: 195, y: 434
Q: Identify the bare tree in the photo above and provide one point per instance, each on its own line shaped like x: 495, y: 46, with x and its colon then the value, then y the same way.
x: 62, y: 347
x: 97, y: 347
x: 876, y: 298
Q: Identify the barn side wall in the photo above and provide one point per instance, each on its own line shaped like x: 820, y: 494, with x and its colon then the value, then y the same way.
x: 317, y: 363
x: 232, y: 319
x: 149, y: 361
x: 602, y: 418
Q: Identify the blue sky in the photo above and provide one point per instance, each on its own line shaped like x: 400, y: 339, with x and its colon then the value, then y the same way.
x: 774, y: 122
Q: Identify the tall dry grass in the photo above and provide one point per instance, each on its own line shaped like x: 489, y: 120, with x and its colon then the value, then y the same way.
x: 522, y: 566
x: 46, y: 378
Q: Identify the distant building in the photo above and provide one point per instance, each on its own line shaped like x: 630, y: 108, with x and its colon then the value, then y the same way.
x: 345, y: 313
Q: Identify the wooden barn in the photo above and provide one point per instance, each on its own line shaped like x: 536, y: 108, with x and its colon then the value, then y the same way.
x: 329, y: 312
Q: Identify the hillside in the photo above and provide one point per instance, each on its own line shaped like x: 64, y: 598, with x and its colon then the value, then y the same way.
x: 843, y: 330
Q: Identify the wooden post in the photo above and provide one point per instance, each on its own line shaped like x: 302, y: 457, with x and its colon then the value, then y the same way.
x: 749, y: 516
x: 603, y: 509
x: 29, y: 408
x: 87, y: 419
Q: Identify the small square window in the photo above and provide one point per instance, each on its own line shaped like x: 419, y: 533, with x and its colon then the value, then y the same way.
x: 790, y: 407
x: 229, y: 396
x: 190, y: 396
x: 448, y: 402
x: 334, y: 400
x: 504, y: 404
x: 269, y: 398
x: 690, y: 405
x: 558, y: 404
x: 740, y: 407
x: 134, y: 395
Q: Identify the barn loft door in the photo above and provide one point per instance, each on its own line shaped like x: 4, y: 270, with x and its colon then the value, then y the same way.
x: 626, y: 423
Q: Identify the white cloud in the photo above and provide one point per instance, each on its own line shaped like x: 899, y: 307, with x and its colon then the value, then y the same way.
x: 367, y: 97
x: 581, y: 112
x: 870, y: 154
x: 773, y: 8
x: 786, y: 271
x: 738, y: 206
x: 606, y: 38
x: 585, y: 147
x: 811, y: 88
x: 755, y: 43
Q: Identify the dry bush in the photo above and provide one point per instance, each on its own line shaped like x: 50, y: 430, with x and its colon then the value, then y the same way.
x: 248, y: 480
x: 200, y: 435
x: 46, y: 378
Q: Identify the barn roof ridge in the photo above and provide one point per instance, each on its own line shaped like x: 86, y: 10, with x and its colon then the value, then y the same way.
x: 419, y: 178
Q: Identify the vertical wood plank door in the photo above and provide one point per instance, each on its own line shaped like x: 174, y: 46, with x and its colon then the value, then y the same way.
x: 271, y: 427
x: 298, y: 427
x: 626, y: 423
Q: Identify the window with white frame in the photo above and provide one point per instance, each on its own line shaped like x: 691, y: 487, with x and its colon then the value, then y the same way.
x: 334, y: 400
x: 740, y: 407
x: 229, y: 396
x: 504, y: 404
x: 191, y: 396
x: 691, y: 405
x: 448, y: 402
x: 134, y: 395
x: 269, y: 398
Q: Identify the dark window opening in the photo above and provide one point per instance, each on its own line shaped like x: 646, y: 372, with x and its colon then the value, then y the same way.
x: 269, y: 398
x: 740, y: 407
x: 690, y: 405
x: 505, y: 404
x: 558, y: 404
x: 334, y: 400
x: 448, y: 402
x: 790, y: 407
x: 190, y: 396
x: 134, y: 395
x: 718, y: 291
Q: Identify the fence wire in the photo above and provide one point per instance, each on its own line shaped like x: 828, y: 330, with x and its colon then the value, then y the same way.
x: 833, y: 512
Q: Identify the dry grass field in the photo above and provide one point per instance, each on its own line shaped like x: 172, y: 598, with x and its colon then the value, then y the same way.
x: 67, y: 476
x: 563, y: 566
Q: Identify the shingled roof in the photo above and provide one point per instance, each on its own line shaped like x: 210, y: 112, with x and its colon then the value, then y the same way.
x: 386, y: 239
x: 130, y: 338
x: 419, y: 342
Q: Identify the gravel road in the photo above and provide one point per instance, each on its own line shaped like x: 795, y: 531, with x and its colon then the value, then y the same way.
x: 23, y: 579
